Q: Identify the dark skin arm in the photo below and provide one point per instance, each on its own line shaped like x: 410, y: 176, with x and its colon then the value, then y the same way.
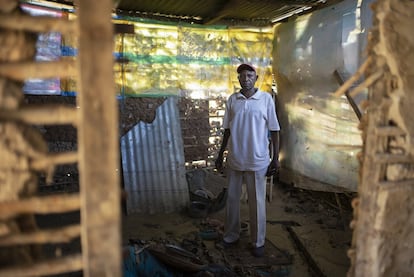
x: 274, y: 163
x: 219, y: 160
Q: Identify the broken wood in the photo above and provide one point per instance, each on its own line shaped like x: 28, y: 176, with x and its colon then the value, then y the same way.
x: 40, y: 163
x: 60, y: 235
x: 313, y: 266
x: 348, y: 83
x: 348, y: 97
x: 389, y: 131
x: 38, y: 24
x: 341, y: 210
x: 120, y: 28
x: 42, y: 115
x: 365, y: 84
x: 51, y: 267
x: 392, y: 158
x: 39, y: 205
x: 395, y: 185
x: 21, y: 71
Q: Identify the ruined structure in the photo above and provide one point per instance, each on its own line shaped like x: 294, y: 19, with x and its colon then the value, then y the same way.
x: 25, y: 156
x: 21, y: 145
x: 383, y: 216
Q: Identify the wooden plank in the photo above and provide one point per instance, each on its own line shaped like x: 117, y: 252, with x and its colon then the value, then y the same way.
x: 347, y: 95
x: 58, y: 235
x: 392, y: 158
x: 38, y: 24
x: 358, y: 74
x: 98, y: 142
x: 43, y: 162
x: 40, y: 205
x: 44, y: 114
x: 397, y: 185
x: 120, y: 28
x: 389, y: 131
x: 367, y: 83
x: 60, y: 265
x: 21, y: 71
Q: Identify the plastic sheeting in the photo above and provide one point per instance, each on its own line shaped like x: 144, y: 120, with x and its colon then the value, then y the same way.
x: 320, y: 136
x: 184, y: 60
x: 48, y: 48
x: 192, y: 61
x: 166, y: 59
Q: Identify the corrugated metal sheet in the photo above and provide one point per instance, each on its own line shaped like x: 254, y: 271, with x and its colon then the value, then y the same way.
x: 222, y: 12
x: 154, y: 165
x: 241, y: 12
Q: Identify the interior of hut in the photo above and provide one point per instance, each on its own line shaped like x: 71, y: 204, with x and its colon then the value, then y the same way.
x: 111, y: 120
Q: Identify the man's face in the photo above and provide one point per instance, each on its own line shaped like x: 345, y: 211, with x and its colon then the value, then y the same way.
x: 247, y: 79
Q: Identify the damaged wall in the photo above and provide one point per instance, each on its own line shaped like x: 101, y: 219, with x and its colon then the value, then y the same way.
x: 383, y: 212
x: 153, y: 163
x: 319, y: 136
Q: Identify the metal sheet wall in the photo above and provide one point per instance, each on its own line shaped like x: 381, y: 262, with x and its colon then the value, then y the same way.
x: 154, y: 165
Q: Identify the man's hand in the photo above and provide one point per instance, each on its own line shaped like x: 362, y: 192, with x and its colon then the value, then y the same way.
x: 273, y: 168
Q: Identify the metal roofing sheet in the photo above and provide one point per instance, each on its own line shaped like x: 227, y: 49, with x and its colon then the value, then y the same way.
x: 255, y: 13
x: 153, y: 163
x: 227, y: 12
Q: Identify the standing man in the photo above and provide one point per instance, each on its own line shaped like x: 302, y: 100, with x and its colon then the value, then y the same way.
x: 249, y: 117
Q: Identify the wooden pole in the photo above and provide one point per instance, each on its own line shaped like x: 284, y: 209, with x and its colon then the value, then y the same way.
x: 42, y: 162
x: 42, y: 115
x: 39, y: 24
x: 39, y: 205
x: 49, y: 267
x: 98, y: 141
x: 25, y: 70
x: 389, y: 131
x: 58, y: 235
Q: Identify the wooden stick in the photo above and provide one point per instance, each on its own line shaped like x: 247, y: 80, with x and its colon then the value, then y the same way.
x: 39, y: 24
x: 369, y: 81
x: 52, y: 267
x: 397, y: 185
x: 341, y: 211
x: 61, y: 235
x: 349, y: 98
x: 45, y: 161
x: 21, y: 71
x: 389, y: 131
x: 393, y: 158
x: 361, y: 70
x: 45, y: 115
x: 40, y: 205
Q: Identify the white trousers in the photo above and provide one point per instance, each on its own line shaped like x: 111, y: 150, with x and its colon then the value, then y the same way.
x: 256, y: 192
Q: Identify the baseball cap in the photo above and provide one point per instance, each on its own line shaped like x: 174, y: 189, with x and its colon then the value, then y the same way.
x: 245, y: 66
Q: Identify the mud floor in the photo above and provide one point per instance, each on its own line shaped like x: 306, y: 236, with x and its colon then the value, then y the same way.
x: 307, y: 235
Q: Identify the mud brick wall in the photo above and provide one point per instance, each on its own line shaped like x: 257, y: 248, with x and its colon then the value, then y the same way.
x: 195, y: 126
x: 194, y: 118
x: 64, y: 137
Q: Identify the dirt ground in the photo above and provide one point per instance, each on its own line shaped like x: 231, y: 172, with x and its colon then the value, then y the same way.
x: 308, y: 226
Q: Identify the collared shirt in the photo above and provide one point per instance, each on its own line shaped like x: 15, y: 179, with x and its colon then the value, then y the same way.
x: 249, y: 121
